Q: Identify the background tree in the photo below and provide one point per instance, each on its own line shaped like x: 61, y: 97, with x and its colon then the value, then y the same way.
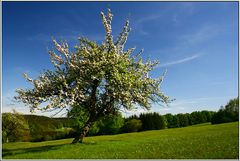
x: 101, y: 78
x: 189, y: 118
x: 183, y: 120
x: 233, y: 109
x: 153, y: 121
x: 197, y: 117
x: 176, y: 121
x: 13, y: 126
x: 80, y: 114
x: 111, y: 124
x: 132, y: 125
x: 229, y: 113
x: 169, y: 117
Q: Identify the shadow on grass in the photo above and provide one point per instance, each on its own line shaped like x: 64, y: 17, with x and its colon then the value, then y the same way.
x: 9, y: 152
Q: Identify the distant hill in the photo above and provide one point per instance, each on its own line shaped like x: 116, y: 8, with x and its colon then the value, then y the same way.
x: 44, y: 122
x: 45, y: 128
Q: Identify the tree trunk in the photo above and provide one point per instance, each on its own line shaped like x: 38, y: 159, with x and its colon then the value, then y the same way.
x: 93, y: 117
x: 80, y: 136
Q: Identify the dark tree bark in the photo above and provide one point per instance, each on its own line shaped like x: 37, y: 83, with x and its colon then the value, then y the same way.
x: 93, y: 114
x: 82, y: 134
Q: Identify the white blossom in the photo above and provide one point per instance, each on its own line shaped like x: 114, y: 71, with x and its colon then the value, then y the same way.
x: 116, y: 74
x: 26, y: 77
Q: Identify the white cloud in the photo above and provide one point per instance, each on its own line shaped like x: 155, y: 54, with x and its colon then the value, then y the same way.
x: 183, y: 60
x: 70, y: 37
x: 137, y: 111
x: 192, y: 104
x: 21, y: 108
x: 208, y: 98
x: 9, y: 103
x: 191, y: 41
x: 193, y: 101
x: 139, y: 24
x: 206, y: 32
x: 183, y: 106
x: 149, y: 18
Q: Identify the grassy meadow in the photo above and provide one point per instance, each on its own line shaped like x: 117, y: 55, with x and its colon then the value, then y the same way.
x: 204, y: 141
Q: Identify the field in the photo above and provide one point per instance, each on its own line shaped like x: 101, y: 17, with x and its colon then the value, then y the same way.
x: 204, y: 141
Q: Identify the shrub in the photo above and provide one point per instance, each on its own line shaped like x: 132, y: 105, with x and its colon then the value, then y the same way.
x: 110, y: 124
x: 132, y: 125
x: 94, y: 130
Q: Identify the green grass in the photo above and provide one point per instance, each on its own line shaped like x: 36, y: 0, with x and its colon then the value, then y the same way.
x: 193, y: 142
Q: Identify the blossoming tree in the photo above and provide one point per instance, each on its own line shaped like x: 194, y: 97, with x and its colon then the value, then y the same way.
x: 100, y: 78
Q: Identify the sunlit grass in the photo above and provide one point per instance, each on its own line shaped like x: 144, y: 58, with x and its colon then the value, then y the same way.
x: 193, y: 142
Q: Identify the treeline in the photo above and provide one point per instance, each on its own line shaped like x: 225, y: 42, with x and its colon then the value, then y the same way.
x: 155, y: 121
x: 41, y: 128
x: 17, y: 127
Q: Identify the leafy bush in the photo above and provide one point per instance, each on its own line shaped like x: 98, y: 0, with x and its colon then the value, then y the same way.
x: 111, y: 124
x: 94, y: 130
x: 132, y: 125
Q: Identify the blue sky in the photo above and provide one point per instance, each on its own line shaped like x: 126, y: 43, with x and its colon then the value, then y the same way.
x: 197, y: 42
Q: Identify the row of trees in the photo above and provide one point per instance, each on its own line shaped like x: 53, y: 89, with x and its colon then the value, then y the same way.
x: 229, y: 113
x: 182, y: 120
x: 115, y: 124
x: 17, y: 127
x: 155, y: 121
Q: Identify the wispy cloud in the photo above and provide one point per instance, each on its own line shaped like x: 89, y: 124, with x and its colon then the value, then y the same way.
x: 201, y: 35
x: 20, y: 70
x: 140, y: 23
x: 70, y: 37
x: 149, y: 18
x: 188, y: 8
x: 8, y: 104
x: 198, y: 100
x: 191, y: 40
x: 183, y: 60
x: 184, y: 10
x: 46, y: 38
x: 193, y: 104
x: 195, y: 100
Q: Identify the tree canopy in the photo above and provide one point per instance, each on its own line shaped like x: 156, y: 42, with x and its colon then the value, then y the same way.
x: 100, y: 78
x: 13, y: 125
x: 229, y: 113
